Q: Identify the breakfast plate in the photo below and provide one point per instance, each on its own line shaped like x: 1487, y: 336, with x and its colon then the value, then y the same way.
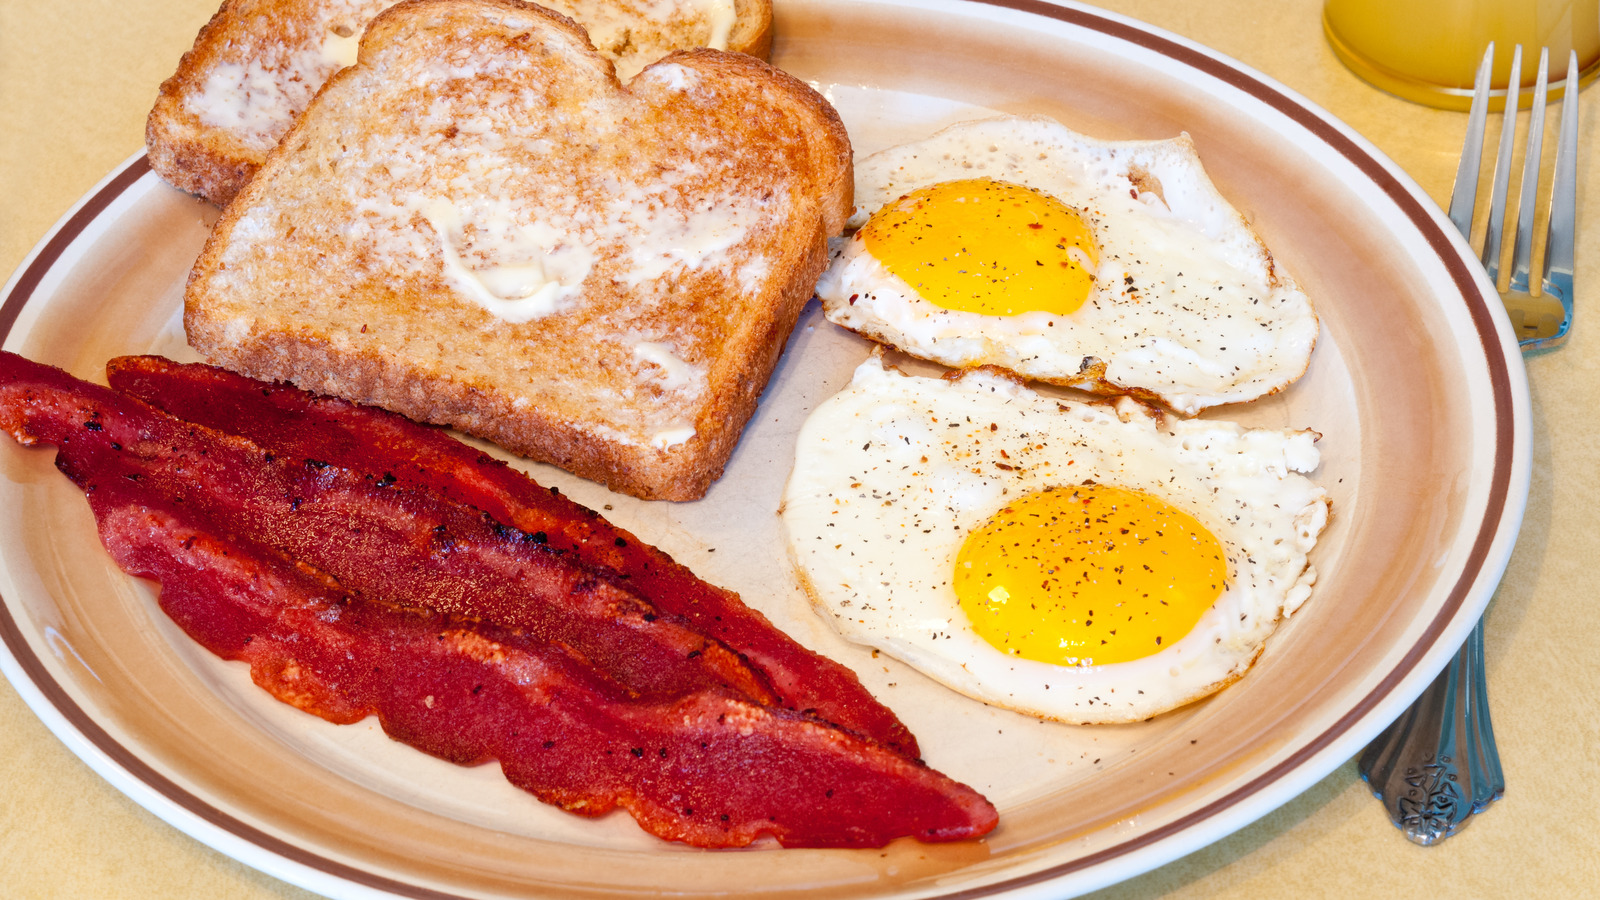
x: 1416, y: 387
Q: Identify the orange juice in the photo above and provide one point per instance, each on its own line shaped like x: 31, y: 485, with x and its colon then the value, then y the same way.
x: 1429, y: 50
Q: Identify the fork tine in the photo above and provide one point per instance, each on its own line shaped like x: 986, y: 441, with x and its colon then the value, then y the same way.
x: 1502, y: 170
x: 1464, y: 193
x: 1522, y: 252
x: 1555, y: 317
x: 1564, y: 192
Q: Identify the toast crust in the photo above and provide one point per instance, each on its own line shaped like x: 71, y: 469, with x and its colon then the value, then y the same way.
x: 204, y: 139
x: 645, y: 378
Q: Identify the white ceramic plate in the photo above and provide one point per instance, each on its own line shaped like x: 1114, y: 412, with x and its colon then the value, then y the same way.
x: 1416, y: 385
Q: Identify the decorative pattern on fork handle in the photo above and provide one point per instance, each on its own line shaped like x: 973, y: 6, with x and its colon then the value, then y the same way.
x: 1432, y: 795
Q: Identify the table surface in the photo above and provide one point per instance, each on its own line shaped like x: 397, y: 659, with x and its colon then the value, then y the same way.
x: 76, y: 80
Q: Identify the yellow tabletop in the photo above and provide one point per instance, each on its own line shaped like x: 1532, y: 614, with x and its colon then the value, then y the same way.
x: 76, y: 80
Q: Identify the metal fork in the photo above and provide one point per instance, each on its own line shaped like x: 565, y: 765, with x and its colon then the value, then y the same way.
x: 1437, y: 765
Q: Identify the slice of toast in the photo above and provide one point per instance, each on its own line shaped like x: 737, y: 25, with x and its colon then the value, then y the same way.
x: 257, y: 63
x: 478, y: 225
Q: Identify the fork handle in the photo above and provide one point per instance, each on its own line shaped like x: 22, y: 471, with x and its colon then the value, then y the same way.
x: 1436, y: 766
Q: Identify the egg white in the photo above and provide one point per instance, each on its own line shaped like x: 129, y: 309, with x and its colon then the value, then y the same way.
x: 1189, y: 306
x: 893, y: 473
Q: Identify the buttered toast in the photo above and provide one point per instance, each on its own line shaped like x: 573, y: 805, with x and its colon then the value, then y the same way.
x: 477, y: 225
x: 257, y: 63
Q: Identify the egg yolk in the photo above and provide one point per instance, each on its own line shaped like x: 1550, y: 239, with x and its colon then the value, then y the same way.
x: 1088, y: 575
x: 985, y: 246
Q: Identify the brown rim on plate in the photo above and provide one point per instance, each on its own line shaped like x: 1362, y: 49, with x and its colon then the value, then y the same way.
x: 91, y: 208
x: 1419, y: 215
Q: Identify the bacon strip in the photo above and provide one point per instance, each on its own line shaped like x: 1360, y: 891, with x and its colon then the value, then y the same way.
x: 708, y: 769
x: 372, y: 441
x: 404, y: 548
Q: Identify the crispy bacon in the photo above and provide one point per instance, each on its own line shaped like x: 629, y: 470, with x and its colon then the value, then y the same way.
x: 708, y: 768
x: 705, y: 764
x: 375, y: 442
x: 402, y: 547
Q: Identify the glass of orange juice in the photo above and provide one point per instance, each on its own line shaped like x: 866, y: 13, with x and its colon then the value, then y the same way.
x: 1428, y: 50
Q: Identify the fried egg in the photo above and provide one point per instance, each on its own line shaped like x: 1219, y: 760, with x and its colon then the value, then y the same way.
x: 1082, y: 562
x: 1110, y: 266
